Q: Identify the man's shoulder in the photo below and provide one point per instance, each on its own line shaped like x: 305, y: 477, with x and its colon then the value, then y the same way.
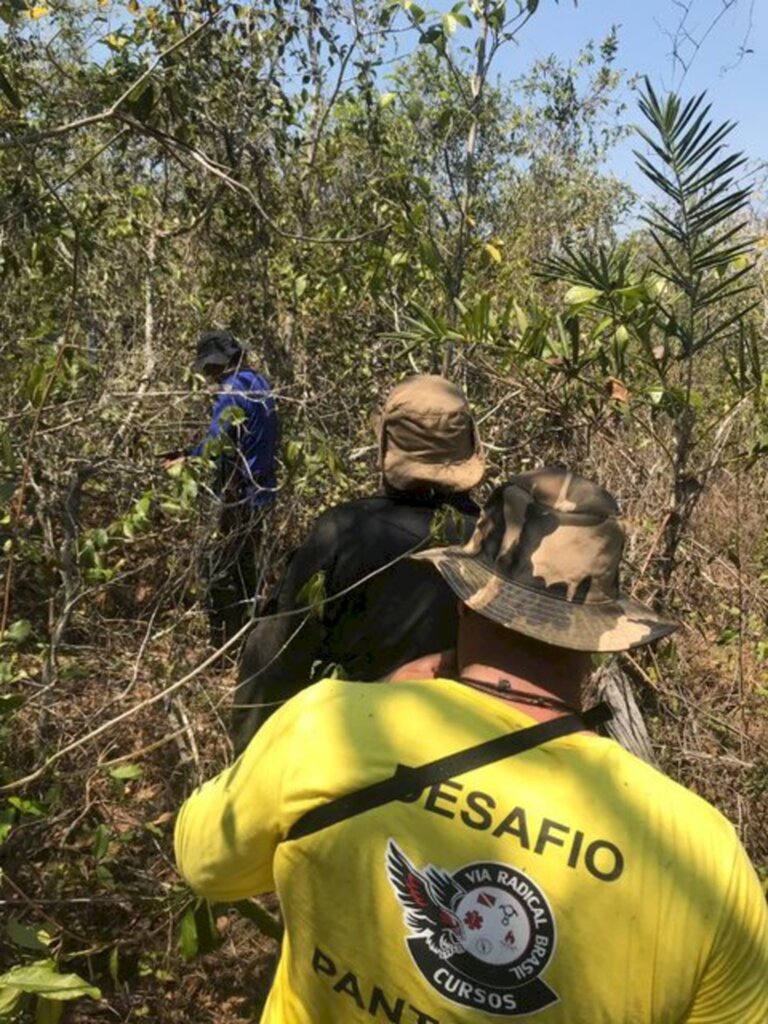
x: 357, y: 700
x: 312, y: 709
x: 672, y: 799
x: 365, y: 523
x: 247, y: 379
x: 397, y: 509
x: 350, y: 514
x: 615, y: 776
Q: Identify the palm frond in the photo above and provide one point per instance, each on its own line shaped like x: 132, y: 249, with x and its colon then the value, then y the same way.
x: 697, y: 232
x: 722, y: 326
x: 603, y: 269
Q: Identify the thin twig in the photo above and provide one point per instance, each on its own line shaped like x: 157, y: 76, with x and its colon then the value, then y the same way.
x: 212, y: 659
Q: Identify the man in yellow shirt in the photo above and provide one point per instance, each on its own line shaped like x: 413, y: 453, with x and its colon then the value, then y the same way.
x: 570, y: 881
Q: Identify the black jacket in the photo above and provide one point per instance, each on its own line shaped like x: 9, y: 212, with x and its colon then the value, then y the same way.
x: 401, y: 613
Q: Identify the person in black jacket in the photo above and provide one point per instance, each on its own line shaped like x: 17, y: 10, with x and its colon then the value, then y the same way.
x: 379, y: 609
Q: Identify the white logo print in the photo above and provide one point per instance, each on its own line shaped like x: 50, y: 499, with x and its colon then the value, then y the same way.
x: 481, y: 936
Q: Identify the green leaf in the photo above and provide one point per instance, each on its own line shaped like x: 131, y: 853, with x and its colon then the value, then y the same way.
x: 10, y: 999
x: 87, y: 557
x: 101, y: 838
x: 655, y: 286
x: 126, y: 772
x: 233, y: 414
x: 100, y: 538
x: 313, y: 594
x: 31, y: 807
x: 445, y: 523
x: 416, y: 13
x: 300, y: 285
x: 141, y: 100
x: 434, y: 35
x: 7, y: 491
x: 9, y: 702
x: 581, y: 294
x: 197, y: 933
x: 415, y: 108
x: 43, y: 979
x: 7, y: 820
x: 18, y: 631
x: 114, y: 964
x: 292, y: 452
x: 523, y: 321
x: 10, y: 93
x: 115, y: 42
x: 698, y: 231
x: 27, y: 936
x: 188, y: 943
x: 105, y: 877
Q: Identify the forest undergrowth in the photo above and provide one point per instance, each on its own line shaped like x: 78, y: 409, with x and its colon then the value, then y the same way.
x: 88, y: 862
x: 354, y: 191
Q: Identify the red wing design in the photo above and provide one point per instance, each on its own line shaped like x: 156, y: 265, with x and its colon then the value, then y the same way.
x: 426, y: 899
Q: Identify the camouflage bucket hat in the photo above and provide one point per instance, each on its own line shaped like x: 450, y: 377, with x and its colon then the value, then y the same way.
x: 428, y: 437
x: 544, y: 561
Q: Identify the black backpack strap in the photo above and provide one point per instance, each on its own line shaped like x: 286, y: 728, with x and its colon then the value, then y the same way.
x: 408, y: 783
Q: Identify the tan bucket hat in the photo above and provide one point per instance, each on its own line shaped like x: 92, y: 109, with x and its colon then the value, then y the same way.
x: 428, y: 437
x: 544, y: 561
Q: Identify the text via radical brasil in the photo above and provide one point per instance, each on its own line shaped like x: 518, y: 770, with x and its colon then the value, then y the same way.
x: 481, y: 936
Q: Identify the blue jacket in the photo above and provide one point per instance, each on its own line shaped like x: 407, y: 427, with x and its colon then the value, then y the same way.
x: 244, y: 418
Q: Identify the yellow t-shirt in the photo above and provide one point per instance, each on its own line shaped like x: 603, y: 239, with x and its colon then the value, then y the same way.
x: 572, y: 882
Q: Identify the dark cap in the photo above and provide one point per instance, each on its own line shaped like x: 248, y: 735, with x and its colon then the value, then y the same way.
x: 217, y: 348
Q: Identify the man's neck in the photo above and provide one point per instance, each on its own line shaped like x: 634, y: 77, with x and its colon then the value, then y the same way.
x: 520, y: 690
x: 509, y: 662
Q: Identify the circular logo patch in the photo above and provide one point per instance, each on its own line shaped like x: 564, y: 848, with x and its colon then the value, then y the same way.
x: 481, y: 936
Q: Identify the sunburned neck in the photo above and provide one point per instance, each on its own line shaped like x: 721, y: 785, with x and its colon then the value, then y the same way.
x: 541, y: 700
x: 495, y: 658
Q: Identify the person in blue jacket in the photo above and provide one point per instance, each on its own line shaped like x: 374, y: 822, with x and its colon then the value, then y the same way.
x: 241, y: 441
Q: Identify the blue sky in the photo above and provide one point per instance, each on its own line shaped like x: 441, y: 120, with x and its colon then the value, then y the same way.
x: 737, y: 88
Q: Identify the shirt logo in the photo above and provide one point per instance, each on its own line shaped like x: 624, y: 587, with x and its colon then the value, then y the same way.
x: 480, y: 936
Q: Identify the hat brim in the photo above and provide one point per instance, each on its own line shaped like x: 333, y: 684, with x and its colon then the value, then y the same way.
x: 403, y: 471
x: 604, y: 626
x: 215, y: 359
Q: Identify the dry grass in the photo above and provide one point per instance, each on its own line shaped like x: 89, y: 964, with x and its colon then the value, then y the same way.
x: 92, y: 861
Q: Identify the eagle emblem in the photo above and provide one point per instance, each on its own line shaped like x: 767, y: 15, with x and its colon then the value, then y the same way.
x: 481, y: 935
x: 427, y: 899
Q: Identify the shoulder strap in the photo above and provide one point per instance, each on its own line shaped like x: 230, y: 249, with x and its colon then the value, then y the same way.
x: 407, y: 783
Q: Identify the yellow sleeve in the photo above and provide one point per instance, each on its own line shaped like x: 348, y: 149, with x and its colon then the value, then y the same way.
x: 228, y: 830
x: 734, y: 989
